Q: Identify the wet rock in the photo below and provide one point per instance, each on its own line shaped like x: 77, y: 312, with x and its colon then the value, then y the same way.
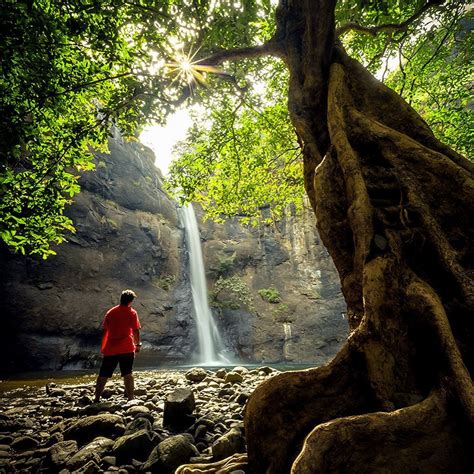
x: 24, y: 443
x: 196, y: 374
x: 90, y: 468
x: 201, y: 431
x: 61, y: 452
x: 91, y: 452
x: 169, y: 454
x: 10, y: 426
x: 137, y: 446
x: 88, y: 428
x: 96, y: 408
x: 242, y: 397
x: 108, y: 461
x: 233, y: 377
x: 137, y: 411
x: 221, y: 373
x: 138, y: 424
x: 240, y: 370
x: 227, y: 445
x: 266, y: 370
x: 179, y: 406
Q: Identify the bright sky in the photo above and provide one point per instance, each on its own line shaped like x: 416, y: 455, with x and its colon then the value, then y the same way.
x: 162, y: 139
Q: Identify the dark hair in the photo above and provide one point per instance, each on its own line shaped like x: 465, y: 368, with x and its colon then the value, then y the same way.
x: 127, y: 296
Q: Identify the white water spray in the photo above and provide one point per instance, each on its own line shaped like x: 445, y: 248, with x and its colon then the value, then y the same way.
x: 209, y: 339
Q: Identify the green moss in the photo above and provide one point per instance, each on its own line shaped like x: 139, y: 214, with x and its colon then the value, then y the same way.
x: 271, y: 295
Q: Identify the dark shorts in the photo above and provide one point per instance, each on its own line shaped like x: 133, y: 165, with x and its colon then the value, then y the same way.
x: 109, y: 363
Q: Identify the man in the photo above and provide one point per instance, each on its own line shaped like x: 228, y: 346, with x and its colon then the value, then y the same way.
x: 120, y: 341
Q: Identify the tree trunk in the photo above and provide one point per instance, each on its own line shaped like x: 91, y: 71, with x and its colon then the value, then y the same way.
x: 394, y: 208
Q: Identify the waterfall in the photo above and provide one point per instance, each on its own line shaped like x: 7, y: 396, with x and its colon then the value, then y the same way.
x: 210, y: 343
x: 286, y: 343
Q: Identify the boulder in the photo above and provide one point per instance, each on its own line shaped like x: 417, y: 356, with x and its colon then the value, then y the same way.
x: 138, y: 424
x: 233, y: 377
x: 179, y: 406
x: 221, y: 373
x: 169, y: 454
x: 24, y: 443
x: 230, y: 443
x: 88, y: 428
x: 139, y: 411
x: 93, y: 451
x: 196, y: 374
x: 59, y: 454
x: 137, y: 446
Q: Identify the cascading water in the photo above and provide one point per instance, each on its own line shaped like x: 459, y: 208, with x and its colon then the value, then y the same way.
x: 210, y: 343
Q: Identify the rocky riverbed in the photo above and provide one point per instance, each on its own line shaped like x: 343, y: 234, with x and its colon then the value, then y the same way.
x: 193, y: 416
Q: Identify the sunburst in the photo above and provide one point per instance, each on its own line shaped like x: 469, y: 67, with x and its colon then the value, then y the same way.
x: 189, y: 71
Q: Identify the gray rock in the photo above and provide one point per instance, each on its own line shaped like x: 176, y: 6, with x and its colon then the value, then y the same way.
x: 196, y: 374
x: 61, y: 452
x: 137, y: 445
x: 90, y: 452
x: 179, y: 406
x: 88, y: 428
x: 169, y: 454
x: 227, y: 445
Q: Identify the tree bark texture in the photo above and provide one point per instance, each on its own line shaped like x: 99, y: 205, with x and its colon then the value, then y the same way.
x: 394, y: 208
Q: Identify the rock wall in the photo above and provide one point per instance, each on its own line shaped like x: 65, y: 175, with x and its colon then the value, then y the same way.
x: 296, y: 313
x: 129, y: 236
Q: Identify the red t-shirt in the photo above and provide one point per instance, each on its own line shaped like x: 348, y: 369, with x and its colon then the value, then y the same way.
x: 119, y: 324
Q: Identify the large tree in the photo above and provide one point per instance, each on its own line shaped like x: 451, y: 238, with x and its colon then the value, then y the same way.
x: 394, y: 208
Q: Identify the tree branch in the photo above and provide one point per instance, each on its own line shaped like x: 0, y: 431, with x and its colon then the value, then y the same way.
x: 270, y: 48
x: 388, y: 27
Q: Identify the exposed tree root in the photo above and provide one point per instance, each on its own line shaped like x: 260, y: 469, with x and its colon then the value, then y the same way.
x: 227, y: 465
x: 285, y: 408
x: 420, y: 438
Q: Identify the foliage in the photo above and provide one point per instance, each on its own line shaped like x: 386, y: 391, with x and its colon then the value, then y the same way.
x: 225, y: 263
x: 271, y: 295
x: 231, y: 293
x: 165, y: 282
x: 429, y: 63
x: 436, y: 76
x: 72, y: 68
x: 248, y: 159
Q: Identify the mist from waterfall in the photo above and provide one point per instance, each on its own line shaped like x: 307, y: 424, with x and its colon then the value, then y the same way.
x: 210, y: 343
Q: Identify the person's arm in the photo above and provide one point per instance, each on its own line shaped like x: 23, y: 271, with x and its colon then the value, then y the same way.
x: 104, y: 334
x: 136, y: 339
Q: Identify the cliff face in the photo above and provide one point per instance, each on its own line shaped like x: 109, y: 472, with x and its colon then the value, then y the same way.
x: 129, y: 236
x: 296, y: 312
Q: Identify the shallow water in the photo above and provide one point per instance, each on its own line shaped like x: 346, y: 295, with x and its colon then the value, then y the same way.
x: 25, y: 380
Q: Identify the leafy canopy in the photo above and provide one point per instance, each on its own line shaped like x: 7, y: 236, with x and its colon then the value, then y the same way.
x: 72, y: 68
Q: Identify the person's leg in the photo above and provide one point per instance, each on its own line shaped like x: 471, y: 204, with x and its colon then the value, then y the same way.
x: 129, y: 383
x: 106, y: 370
x: 126, y: 367
x: 99, y: 387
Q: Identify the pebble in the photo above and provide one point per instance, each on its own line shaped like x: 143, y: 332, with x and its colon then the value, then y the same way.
x: 58, y: 428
